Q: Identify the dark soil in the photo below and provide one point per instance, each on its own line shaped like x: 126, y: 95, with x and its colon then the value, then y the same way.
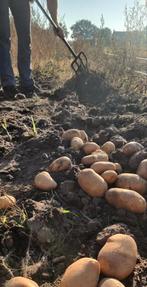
x: 49, y: 230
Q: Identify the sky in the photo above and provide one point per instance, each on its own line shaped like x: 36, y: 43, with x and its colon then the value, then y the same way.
x: 112, y: 10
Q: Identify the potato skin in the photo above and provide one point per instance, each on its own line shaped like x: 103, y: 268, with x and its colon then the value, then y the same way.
x: 110, y: 176
x: 127, y: 199
x: 118, y: 256
x: 118, y: 168
x: 92, y: 183
x: 108, y: 147
x: 76, y: 143
x: 101, y: 166
x: 71, y: 133
x: 20, y: 282
x: 132, y: 181
x: 7, y: 201
x: 44, y: 181
x: 110, y: 282
x: 96, y: 156
x: 142, y: 169
x: 82, y: 273
x: 60, y: 164
x: 90, y: 147
x: 132, y: 147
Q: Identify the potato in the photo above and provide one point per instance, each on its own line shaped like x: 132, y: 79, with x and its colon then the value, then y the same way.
x: 90, y: 147
x: 132, y: 147
x: 60, y: 164
x: 101, y: 166
x: 44, y: 181
x: 108, y: 147
x: 20, y: 282
x: 82, y: 273
x: 132, y: 181
x: 71, y: 133
x: 76, y: 143
x: 98, y: 155
x: 118, y: 167
x: 109, y: 282
x: 110, y: 176
x: 118, y: 256
x: 127, y: 199
x: 142, y: 169
x: 92, y: 183
x: 7, y: 201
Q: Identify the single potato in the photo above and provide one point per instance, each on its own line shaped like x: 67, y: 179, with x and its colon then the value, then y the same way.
x: 101, y: 166
x: 126, y: 199
x: 108, y: 147
x: 96, y: 156
x: 132, y: 147
x: 44, y: 181
x: 77, y: 143
x: 90, y: 147
x: 92, y: 183
x: 142, y: 169
x: 82, y: 273
x: 7, y: 201
x: 20, y: 282
x: 132, y: 181
x: 60, y: 164
x: 110, y: 282
x: 110, y: 176
x: 118, y: 256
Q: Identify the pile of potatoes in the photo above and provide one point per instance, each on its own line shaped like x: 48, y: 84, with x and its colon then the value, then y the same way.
x: 116, y: 260
x: 100, y: 177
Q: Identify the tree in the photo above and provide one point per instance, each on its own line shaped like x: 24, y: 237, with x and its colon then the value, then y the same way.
x: 84, y: 30
x: 105, y: 35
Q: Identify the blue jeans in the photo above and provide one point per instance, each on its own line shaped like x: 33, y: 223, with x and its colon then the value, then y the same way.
x: 20, y: 10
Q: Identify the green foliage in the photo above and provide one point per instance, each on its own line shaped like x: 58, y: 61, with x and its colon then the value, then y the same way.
x: 84, y: 30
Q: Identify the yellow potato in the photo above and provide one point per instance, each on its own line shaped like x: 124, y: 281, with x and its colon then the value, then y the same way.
x: 7, y: 201
x: 44, y: 181
x: 132, y: 147
x: 132, y: 181
x: 110, y: 282
x: 108, y: 147
x: 118, y: 167
x: 92, y: 183
x: 110, y: 176
x: 20, y: 282
x: 90, y: 147
x: 127, y: 199
x: 76, y: 143
x: 101, y: 166
x: 98, y: 155
x: 118, y: 256
x: 142, y: 169
x: 60, y: 164
x: 82, y: 273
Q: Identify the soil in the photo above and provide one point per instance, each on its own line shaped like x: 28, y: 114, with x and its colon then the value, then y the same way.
x: 47, y: 231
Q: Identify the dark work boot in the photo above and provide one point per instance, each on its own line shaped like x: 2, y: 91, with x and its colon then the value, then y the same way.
x: 10, y: 92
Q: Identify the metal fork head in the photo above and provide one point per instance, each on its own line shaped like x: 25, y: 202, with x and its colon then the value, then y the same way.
x: 80, y: 64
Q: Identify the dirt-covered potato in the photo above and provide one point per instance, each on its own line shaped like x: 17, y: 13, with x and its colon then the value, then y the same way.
x: 60, y: 164
x: 142, y: 169
x: 118, y: 256
x: 44, y: 181
x: 108, y: 147
x: 96, y: 156
x: 126, y: 199
x: 82, y: 273
x: 110, y: 176
x: 92, y: 183
x: 76, y: 143
x: 132, y: 181
x: 20, y: 282
x: 136, y: 159
x: 110, y: 282
x: 90, y: 147
x: 71, y: 133
x: 132, y: 147
x: 101, y: 166
x: 7, y: 201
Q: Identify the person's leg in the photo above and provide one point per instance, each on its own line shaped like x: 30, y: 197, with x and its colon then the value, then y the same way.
x: 21, y: 13
x: 6, y: 71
